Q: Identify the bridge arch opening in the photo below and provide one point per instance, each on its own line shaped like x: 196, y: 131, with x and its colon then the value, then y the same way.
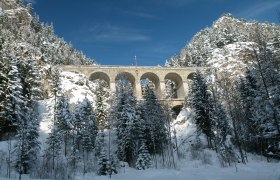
x: 100, y: 76
x: 126, y: 80
x: 177, y: 109
x: 152, y: 80
x: 174, y: 86
x: 191, y: 76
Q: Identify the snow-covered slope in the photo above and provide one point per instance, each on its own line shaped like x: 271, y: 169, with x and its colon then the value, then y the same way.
x: 74, y: 86
x: 232, y: 58
x: 226, y: 36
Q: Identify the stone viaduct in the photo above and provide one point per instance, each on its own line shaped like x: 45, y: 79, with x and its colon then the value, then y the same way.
x: 135, y: 74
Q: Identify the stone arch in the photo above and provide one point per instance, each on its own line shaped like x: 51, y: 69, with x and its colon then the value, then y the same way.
x: 177, y: 79
x: 101, y: 76
x: 155, y: 79
x: 191, y: 76
x: 177, y: 109
x: 129, y: 77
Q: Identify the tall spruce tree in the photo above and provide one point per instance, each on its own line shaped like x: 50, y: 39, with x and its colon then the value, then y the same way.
x: 86, y: 129
x: 144, y: 159
x: 5, y: 59
x: 64, y: 119
x: 101, y: 103
x: 155, y: 121
x: 125, y: 117
x: 202, y: 105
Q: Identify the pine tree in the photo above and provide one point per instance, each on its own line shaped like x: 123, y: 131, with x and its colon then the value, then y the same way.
x: 202, y: 105
x: 54, y: 139
x: 64, y: 119
x: 154, y: 117
x: 88, y: 125
x: 144, y: 158
x: 125, y: 115
x: 101, y: 106
x: 99, y: 143
x: 54, y: 146
x: 103, y: 164
x: 5, y: 123
x: 247, y: 88
x: 85, y: 126
x: 27, y: 147
x: 14, y: 97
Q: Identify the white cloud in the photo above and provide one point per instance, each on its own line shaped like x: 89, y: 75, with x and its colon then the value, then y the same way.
x: 259, y: 9
x: 109, y: 33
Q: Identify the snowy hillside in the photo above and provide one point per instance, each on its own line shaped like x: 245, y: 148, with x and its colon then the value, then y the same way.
x: 227, y: 34
x: 232, y: 58
x: 76, y: 87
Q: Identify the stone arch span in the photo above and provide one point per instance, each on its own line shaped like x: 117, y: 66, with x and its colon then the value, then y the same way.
x: 127, y: 76
x: 155, y: 80
x: 191, y: 76
x: 101, y: 76
x: 180, y: 92
x: 177, y: 109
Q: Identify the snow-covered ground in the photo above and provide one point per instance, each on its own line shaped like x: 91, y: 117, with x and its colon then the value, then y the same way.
x: 194, y: 170
x: 256, y: 169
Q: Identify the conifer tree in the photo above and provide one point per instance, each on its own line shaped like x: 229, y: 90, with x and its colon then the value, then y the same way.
x: 103, y: 164
x: 154, y: 117
x: 5, y: 123
x: 202, y: 104
x: 101, y: 106
x: 64, y: 119
x: 125, y: 116
x: 85, y: 127
x: 144, y: 158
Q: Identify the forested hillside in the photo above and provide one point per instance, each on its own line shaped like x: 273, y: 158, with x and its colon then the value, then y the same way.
x: 225, y: 32
x: 29, y: 52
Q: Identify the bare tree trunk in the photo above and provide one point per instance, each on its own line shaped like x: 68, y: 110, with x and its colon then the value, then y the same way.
x: 9, y: 156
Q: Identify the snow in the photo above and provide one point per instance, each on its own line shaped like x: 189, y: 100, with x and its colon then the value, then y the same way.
x: 232, y: 58
x: 77, y: 88
x: 255, y: 170
x: 46, y: 111
x: 185, y: 129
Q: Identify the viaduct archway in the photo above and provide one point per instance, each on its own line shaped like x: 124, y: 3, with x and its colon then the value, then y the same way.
x: 135, y: 74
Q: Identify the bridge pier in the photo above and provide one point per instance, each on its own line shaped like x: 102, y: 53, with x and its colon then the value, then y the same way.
x: 161, y: 90
x: 138, y: 89
x: 113, y: 86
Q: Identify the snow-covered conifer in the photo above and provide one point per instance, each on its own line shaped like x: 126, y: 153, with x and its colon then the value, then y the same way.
x: 144, y: 158
x: 103, y: 164
x: 101, y: 104
x: 202, y: 104
x: 154, y: 118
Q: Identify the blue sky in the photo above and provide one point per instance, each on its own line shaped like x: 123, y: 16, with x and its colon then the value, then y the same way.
x: 113, y: 31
